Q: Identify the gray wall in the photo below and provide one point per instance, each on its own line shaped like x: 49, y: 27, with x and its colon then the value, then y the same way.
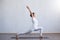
x: 14, y: 17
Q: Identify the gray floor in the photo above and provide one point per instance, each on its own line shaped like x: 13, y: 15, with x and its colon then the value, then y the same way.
x: 46, y: 36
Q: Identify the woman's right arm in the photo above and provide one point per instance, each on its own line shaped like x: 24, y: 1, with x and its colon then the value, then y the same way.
x: 29, y: 10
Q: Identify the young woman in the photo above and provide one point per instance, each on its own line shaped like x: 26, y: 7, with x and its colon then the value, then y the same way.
x: 35, y: 22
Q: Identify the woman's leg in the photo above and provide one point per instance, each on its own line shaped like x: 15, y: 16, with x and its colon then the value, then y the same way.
x: 41, y: 30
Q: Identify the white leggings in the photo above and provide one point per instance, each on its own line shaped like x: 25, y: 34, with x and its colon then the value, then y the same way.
x: 40, y: 29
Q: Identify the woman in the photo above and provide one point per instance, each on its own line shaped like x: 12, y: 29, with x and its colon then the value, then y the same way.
x: 35, y: 22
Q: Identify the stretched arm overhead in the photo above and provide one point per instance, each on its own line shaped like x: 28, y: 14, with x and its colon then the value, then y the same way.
x: 29, y: 9
x: 32, y: 14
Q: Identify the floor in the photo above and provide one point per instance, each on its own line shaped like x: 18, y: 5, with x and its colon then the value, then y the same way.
x: 46, y: 36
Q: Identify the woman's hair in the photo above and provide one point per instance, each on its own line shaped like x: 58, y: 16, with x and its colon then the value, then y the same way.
x: 32, y: 14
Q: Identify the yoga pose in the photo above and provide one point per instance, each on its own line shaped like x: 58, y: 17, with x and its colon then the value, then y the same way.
x: 34, y: 21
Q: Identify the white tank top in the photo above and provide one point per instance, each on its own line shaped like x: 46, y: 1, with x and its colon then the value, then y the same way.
x: 35, y: 22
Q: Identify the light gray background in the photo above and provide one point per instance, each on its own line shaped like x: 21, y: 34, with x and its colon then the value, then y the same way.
x: 14, y: 17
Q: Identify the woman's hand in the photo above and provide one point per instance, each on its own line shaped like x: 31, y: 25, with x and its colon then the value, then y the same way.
x: 27, y: 7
